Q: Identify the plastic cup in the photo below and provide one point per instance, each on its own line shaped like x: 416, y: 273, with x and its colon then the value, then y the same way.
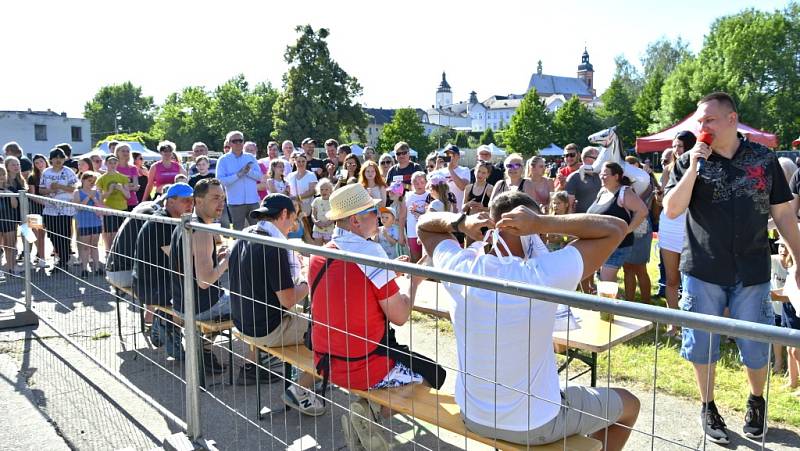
x: 607, y: 290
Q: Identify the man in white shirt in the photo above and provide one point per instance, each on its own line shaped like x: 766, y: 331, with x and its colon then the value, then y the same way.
x: 501, y: 394
x: 457, y: 176
x: 240, y: 173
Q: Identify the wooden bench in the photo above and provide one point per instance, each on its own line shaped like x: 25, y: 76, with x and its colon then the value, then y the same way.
x: 594, y: 336
x: 419, y: 402
x: 204, y: 327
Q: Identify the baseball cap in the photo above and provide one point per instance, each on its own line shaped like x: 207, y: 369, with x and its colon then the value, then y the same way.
x: 179, y: 190
x: 452, y: 148
x: 308, y: 140
x: 273, y: 204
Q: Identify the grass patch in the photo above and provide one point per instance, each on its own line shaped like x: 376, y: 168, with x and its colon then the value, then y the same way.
x: 432, y: 322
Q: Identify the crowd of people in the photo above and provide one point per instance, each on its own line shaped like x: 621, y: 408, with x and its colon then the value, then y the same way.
x: 512, y: 220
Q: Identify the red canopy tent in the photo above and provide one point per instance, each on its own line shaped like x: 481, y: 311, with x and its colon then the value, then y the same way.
x: 663, y: 139
x: 796, y: 142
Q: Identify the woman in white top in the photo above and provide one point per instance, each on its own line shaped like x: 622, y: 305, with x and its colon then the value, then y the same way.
x: 302, y: 183
x: 371, y: 179
x: 671, y: 232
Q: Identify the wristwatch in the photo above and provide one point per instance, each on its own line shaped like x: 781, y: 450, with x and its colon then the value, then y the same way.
x: 454, y: 225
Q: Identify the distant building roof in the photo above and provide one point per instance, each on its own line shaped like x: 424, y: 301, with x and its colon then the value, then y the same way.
x: 38, y: 113
x: 444, y: 86
x: 382, y: 116
x: 547, y: 85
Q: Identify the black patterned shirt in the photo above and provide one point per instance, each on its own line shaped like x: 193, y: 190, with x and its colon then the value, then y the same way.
x: 726, y: 227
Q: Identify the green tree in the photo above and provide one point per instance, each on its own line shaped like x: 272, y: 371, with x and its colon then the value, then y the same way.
x: 677, y: 99
x: 629, y: 78
x: 617, y: 110
x: 461, y: 140
x: 487, y: 137
x: 122, y: 106
x: 405, y: 126
x: 231, y: 110
x: 318, y: 96
x: 530, y: 126
x: 660, y: 60
x: 147, y: 139
x: 440, y: 136
x: 186, y: 117
x: 573, y: 123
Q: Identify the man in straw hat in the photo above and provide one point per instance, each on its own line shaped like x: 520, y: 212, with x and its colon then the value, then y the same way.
x: 350, y: 304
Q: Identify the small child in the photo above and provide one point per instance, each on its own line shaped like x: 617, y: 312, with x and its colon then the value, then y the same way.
x: 323, y: 228
x: 389, y: 233
x: 416, y: 203
x: 90, y: 224
x: 781, y: 263
x: 439, y: 196
x: 559, y: 205
x: 181, y: 178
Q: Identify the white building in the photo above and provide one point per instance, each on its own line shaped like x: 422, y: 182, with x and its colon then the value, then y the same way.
x: 40, y: 131
x: 496, y: 111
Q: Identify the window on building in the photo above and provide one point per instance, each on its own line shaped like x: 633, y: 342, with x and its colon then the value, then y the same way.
x: 40, y: 132
x: 77, y: 134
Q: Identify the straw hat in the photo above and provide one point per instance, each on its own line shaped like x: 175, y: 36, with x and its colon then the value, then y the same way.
x: 349, y: 200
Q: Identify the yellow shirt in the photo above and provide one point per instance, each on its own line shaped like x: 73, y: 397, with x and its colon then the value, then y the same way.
x: 116, y: 200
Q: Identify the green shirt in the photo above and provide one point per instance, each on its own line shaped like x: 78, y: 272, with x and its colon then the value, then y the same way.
x: 116, y: 200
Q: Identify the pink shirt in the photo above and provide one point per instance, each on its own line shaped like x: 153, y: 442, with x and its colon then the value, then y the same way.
x: 165, y: 176
x: 133, y: 176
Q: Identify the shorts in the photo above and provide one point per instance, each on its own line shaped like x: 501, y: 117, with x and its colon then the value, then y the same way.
x: 584, y: 410
x: 618, y: 257
x: 87, y: 231
x: 112, y: 223
x: 789, y: 317
x: 640, y: 250
x: 398, y: 376
x: 749, y: 303
x: 414, y: 245
x: 289, y: 332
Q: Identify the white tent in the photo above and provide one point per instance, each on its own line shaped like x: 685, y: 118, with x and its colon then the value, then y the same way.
x: 496, y: 151
x: 135, y: 146
x: 355, y: 149
x: 551, y: 151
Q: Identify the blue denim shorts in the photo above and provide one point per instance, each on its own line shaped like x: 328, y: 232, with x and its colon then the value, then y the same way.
x: 618, y: 257
x: 749, y: 303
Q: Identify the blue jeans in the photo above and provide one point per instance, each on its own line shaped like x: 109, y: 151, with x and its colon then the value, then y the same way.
x: 749, y: 303
x: 221, y: 309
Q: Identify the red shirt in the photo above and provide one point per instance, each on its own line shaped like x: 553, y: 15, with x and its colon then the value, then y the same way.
x: 349, y: 322
x: 565, y: 171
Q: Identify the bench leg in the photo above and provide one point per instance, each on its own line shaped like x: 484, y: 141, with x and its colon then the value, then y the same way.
x: 594, y: 369
x: 119, y: 314
x: 201, y: 370
x: 258, y: 385
x: 230, y: 357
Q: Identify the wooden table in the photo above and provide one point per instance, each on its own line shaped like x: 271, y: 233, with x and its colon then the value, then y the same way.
x: 584, y: 344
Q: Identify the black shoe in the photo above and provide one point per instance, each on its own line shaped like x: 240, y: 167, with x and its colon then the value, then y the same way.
x: 85, y: 273
x: 754, y: 420
x: 247, y: 375
x: 713, y: 425
x: 211, y: 364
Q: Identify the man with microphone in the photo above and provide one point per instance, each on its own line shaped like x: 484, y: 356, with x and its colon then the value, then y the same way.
x: 730, y: 186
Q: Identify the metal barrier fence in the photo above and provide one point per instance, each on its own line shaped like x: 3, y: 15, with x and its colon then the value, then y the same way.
x: 213, y: 383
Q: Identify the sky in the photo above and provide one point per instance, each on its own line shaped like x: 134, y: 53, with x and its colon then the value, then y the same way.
x: 58, y: 54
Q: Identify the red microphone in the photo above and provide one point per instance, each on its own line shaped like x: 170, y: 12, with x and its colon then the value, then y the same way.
x: 706, y: 139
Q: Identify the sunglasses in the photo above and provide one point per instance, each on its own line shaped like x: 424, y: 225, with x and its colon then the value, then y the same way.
x: 368, y: 211
x: 513, y: 165
x: 237, y: 141
x: 385, y: 163
x: 570, y: 155
x: 401, y: 153
x: 165, y: 149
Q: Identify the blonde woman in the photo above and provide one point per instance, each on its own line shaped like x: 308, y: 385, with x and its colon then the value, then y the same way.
x: 514, y: 179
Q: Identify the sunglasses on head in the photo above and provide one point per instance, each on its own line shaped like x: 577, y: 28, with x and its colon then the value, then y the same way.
x: 237, y: 141
x: 570, y: 155
x: 513, y: 165
x: 401, y: 153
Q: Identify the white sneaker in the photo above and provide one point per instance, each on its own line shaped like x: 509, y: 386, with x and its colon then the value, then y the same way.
x: 299, y: 398
x: 365, y: 419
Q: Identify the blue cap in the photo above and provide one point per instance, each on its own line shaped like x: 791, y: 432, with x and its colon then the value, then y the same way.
x: 179, y: 190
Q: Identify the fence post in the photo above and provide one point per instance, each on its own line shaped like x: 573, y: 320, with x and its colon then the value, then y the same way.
x: 189, y: 331
x: 26, y: 249
x: 20, y: 317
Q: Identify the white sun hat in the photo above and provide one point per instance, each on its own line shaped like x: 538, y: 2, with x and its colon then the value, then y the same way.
x: 349, y: 200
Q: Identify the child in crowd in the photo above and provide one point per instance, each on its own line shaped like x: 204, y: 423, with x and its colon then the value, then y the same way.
x: 389, y: 233
x: 276, y: 182
x: 416, y: 202
x: 90, y: 225
x: 298, y: 230
x: 439, y: 196
x: 203, y: 167
x: 559, y: 205
x: 181, y: 178
x: 781, y: 263
x: 323, y: 228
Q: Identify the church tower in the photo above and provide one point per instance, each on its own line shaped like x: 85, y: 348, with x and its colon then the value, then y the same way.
x: 444, y: 96
x: 586, y: 71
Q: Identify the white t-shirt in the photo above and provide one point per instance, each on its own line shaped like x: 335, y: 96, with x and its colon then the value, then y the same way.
x: 778, y: 280
x: 414, y: 202
x: 63, y: 177
x: 299, y: 185
x: 462, y: 172
x: 496, y: 331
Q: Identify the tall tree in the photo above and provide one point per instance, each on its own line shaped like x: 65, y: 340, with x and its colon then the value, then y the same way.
x: 405, y: 126
x: 617, y: 110
x: 186, y: 117
x: 122, y: 106
x: 660, y: 60
x: 629, y: 78
x: 487, y: 137
x: 573, y: 123
x: 530, y: 126
x: 318, y: 96
x: 462, y: 141
x: 231, y: 110
x: 677, y: 98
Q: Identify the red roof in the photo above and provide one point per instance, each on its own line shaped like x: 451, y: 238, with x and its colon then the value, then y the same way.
x: 663, y: 139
